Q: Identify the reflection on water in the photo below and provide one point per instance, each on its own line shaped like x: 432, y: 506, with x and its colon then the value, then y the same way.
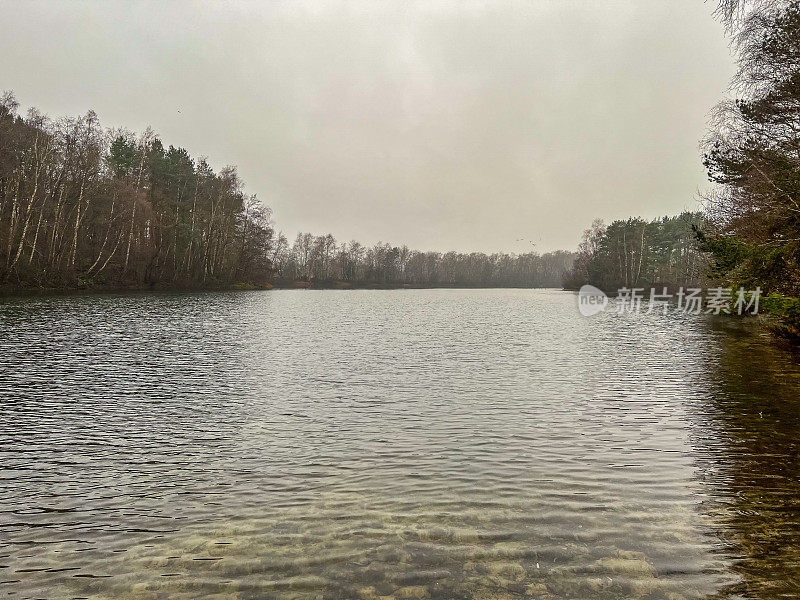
x: 748, y: 448
x: 476, y: 444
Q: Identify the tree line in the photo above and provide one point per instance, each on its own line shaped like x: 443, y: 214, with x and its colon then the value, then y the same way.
x: 82, y: 205
x: 320, y: 260
x: 637, y: 253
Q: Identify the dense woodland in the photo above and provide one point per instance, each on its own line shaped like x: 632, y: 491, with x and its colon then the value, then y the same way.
x: 639, y: 253
x: 80, y: 205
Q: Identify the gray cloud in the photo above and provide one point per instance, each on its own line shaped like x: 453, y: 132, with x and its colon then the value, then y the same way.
x: 441, y: 125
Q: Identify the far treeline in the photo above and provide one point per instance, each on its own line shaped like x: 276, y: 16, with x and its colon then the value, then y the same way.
x: 749, y: 233
x: 82, y: 206
x: 320, y: 261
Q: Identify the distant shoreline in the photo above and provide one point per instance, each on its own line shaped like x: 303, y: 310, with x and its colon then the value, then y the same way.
x: 17, y: 291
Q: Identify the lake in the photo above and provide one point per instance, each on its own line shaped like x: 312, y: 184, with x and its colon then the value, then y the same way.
x: 424, y: 444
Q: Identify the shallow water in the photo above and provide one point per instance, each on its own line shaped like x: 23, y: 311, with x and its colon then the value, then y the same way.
x: 480, y: 444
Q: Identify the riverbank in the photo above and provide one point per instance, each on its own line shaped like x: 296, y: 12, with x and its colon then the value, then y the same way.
x: 24, y: 290
x: 18, y: 290
x: 372, y: 285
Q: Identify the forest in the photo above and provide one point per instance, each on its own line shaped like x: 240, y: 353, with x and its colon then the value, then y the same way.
x: 81, y: 206
x: 86, y: 207
x: 639, y: 253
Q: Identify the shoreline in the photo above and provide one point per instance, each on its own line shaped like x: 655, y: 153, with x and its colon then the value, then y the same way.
x: 22, y: 291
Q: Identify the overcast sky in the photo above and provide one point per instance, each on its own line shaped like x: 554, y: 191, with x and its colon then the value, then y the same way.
x: 465, y: 126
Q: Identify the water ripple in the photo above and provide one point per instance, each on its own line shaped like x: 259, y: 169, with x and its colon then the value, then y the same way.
x: 439, y: 444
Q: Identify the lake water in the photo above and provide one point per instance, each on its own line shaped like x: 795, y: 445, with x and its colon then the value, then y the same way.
x: 436, y: 444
